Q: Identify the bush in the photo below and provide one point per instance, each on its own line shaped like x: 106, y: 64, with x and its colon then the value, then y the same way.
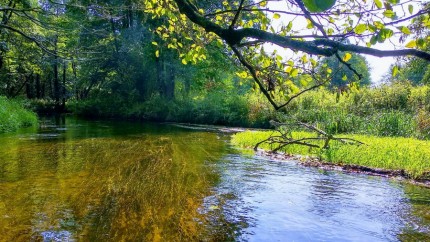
x: 423, y: 123
x: 13, y: 115
x: 390, y: 110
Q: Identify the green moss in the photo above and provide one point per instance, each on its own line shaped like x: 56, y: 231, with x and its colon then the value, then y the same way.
x: 13, y: 115
x: 408, y: 154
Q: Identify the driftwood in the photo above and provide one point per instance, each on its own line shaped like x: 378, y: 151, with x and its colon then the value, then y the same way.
x: 285, y: 138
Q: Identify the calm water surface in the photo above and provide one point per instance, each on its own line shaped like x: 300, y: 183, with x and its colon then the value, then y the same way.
x: 75, y: 180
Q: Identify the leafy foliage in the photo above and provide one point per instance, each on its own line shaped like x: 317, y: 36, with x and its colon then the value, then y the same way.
x: 13, y: 115
x: 342, y: 76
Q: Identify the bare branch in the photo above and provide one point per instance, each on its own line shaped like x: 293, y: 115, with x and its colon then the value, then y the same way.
x: 349, y: 66
x: 237, y: 14
x: 301, y: 92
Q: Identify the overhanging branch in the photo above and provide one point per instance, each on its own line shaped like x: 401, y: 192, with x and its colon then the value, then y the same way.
x: 323, y: 46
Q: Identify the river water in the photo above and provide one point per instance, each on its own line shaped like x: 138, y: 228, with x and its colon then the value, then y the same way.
x: 76, y: 180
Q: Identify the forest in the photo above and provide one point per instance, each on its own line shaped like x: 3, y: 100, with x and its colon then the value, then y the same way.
x: 132, y: 60
x: 116, y: 59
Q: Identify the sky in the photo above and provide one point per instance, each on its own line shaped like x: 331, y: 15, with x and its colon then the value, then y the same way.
x: 379, y: 66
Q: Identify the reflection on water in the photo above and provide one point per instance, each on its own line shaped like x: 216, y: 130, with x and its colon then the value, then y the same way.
x: 75, y: 180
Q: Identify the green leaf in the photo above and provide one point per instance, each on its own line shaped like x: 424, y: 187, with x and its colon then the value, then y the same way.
x: 410, y: 8
x: 411, y: 44
x: 395, y: 71
x: 276, y: 16
x: 295, y: 72
x: 378, y: 4
x: 289, y: 26
x: 384, y: 34
x: 389, y: 14
x: 310, y: 25
x: 404, y: 30
x: 157, y: 53
x: 317, y: 6
x: 373, y: 40
x: 361, y: 28
x: 344, y: 77
x: 421, y: 43
x: 347, y: 57
x: 378, y: 24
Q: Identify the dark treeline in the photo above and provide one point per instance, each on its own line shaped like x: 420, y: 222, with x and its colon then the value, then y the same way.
x: 80, y: 50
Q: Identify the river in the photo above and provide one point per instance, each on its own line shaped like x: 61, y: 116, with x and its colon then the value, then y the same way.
x: 77, y: 180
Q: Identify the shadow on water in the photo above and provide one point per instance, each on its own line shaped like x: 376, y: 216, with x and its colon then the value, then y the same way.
x: 110, y: 181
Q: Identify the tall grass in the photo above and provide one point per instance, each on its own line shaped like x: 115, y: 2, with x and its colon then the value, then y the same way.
x: 13, y: 115
x: 408, y: 154
x: 392, y: 110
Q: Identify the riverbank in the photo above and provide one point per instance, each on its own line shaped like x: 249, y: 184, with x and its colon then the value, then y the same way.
x: 399, y: 110
x: 13, y: 115
x: 387, y: 156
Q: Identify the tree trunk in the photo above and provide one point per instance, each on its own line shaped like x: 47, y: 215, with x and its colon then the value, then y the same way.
x: 159, y: 69
x: 56, y: 78
x: 38, y: 91
x: 30, y: 86
x: 170, y: 83
x: 63, y: 88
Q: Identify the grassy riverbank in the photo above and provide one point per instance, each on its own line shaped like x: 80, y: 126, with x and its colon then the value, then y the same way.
x: 408, y: 154
x: 13, y: 115
x: 398, y: 109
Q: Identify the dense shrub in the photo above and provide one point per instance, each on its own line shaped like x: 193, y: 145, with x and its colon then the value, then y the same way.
x: 390, y: 110
x: 213, y: 108
x: 13, y: 115
x: 423, y: 123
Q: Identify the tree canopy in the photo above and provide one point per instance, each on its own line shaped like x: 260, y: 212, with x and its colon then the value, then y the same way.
x: 344, y: 76
x: 246, y: 28
x: 82, y: 44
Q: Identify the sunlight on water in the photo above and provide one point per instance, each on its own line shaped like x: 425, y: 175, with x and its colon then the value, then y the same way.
x: 75, y: 180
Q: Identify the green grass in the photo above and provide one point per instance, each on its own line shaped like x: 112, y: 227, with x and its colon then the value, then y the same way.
x: 398, y: 109
x: 13, y: 115
x: 395, y: 153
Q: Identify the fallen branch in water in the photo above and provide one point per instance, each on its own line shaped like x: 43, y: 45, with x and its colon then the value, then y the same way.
x: 285, y: 137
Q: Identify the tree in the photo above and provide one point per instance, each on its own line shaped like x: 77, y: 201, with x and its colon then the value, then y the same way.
x: 413, y: 70
x: 343, y: 76
x: 246, y: 27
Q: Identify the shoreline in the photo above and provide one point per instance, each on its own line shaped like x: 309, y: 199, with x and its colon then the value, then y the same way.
x: 307, y: 161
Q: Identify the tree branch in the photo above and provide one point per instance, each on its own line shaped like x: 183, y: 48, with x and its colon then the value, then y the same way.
x: 236, y: 16
x: 349, y: 66
x: 254, y: 76
x: 323, y: 46
x: 300, y: 93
